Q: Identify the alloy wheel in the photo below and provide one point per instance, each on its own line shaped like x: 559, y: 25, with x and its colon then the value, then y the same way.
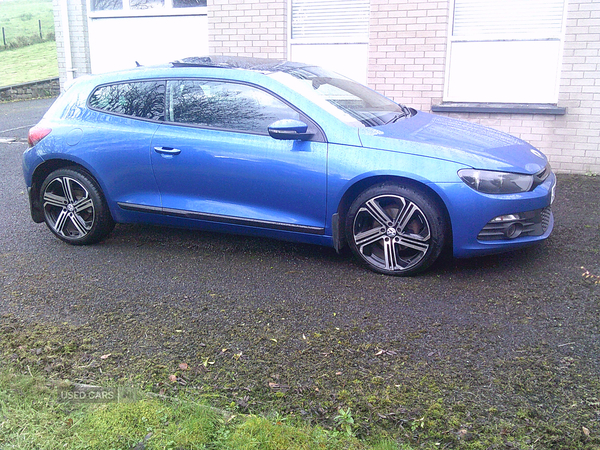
x: 68, y: 207
x: 391, y: 233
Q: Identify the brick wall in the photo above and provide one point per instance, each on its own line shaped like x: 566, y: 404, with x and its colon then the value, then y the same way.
x: 407, y: 62
x: 34, y: 89
x: 407, y: 53
x: 248, y: 28
x: 79, y: 40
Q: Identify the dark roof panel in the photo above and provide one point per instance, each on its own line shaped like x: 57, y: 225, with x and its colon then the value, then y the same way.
x: 239, y: 62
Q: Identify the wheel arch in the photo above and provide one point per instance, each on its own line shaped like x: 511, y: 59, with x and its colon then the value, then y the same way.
x: 40, y: 173
x: 361, y: 185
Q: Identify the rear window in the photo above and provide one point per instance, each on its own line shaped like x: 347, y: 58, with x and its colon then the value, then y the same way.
x: 141, y: 99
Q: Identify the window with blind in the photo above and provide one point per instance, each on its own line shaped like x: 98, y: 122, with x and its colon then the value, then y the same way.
x: 505, y: 51
x: 346, y: 20
x: 332, y: 33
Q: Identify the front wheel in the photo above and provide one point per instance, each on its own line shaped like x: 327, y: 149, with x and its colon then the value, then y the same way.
x: 74, y: 207
x: 395, y: 230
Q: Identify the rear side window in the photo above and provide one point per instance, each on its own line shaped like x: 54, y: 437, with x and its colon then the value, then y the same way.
x: 224, y: 105
x: 141, y: 99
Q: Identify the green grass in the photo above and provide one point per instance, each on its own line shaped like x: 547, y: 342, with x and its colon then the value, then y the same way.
x: 31, y: 63
x: 19, y: 18
x: 34, y: 418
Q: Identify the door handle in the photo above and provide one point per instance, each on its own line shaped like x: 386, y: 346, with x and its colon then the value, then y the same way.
x: 167, y: 150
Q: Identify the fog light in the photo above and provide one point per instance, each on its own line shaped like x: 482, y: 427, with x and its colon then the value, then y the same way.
x: 506, y: 218
x: 513, y: 231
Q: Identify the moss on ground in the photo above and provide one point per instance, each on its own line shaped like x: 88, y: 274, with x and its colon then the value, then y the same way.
x: 538, y: 399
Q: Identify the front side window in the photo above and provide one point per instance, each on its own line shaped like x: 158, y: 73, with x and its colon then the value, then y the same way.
x: 224, y: 105
x: 141, y: 99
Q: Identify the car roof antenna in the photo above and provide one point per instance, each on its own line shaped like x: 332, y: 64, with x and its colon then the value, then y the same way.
x: 137, y: 64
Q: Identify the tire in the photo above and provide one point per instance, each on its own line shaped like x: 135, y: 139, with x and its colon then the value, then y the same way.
x: 395, y: 230
x: 74, y: 208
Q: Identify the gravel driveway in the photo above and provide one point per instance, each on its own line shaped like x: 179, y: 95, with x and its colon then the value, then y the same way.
x: 494, y: 352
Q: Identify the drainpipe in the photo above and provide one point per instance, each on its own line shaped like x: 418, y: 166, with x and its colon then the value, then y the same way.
x: 64, y: 18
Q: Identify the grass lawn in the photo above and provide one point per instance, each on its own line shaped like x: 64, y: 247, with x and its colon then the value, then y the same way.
x: 33, y: 417
x: 31, y: 63
x: 20, y: 19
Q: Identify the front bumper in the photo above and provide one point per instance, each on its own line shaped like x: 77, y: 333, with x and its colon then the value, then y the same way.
x: 476, y: 230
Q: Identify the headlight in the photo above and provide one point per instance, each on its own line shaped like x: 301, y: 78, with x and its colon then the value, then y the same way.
x: 490, y: 182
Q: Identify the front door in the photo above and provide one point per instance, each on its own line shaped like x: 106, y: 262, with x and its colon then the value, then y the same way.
x: 214, y: 159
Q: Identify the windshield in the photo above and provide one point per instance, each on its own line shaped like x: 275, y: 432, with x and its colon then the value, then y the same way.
x: 349, y: 101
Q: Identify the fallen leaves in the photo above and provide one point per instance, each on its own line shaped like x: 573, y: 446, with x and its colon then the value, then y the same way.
x: 590, y: 277
x: 386, y: 352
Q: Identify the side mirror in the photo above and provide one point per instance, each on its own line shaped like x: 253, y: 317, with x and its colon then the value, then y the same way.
x: 289, y: 129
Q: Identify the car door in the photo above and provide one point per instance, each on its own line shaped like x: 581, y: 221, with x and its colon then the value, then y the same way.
x: 121, y: 120
x: 214, y: 159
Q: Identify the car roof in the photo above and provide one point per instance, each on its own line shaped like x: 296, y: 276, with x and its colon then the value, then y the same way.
x: 240, y: 62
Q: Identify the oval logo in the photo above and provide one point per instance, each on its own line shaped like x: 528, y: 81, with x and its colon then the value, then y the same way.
x: 536, y: 153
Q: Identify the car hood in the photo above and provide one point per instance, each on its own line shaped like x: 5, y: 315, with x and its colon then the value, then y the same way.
x: 455, y: 140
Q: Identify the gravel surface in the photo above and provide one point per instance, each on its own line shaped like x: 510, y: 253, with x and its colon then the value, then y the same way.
x: 494, y: 352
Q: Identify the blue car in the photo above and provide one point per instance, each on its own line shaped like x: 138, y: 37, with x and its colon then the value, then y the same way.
x: 282, y: 150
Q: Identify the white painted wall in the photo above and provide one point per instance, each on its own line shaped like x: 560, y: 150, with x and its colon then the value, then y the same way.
x: 118, y: 42
x: 347, y: 59
x: 504, y: 72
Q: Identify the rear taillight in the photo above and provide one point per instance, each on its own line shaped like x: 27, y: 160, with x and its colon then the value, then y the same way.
x: 36, y: 134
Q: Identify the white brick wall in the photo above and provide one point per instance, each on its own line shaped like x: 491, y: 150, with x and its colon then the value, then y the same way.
x: 255, y: 28
x: 78, y: 30
x: 407, y: 57
x: 407, y: 62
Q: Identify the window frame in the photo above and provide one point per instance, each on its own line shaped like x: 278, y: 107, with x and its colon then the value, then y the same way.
x: 552, y: 98
x: 167, y: 10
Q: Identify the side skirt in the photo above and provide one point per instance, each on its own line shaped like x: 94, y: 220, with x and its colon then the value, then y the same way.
x: 232, y: 220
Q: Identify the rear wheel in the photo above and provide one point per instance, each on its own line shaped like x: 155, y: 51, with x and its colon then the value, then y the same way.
x: 74, y: 207
x: 395, y: 230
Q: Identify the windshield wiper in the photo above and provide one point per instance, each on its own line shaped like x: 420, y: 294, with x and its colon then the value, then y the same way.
x: 406, y: 112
